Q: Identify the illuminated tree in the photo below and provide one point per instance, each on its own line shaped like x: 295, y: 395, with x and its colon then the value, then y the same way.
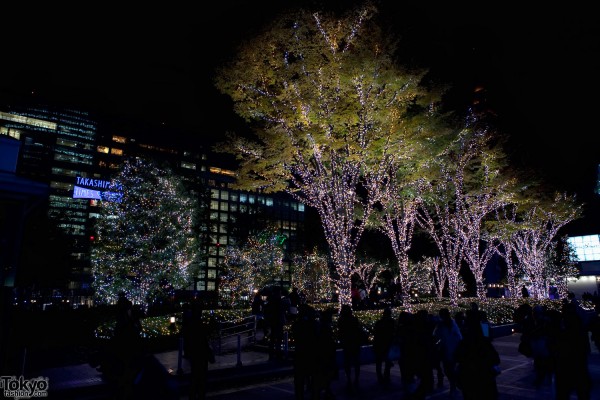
x: 145, y: 239
x: 429, y: 275
x: 368, y: 271
x: 468, y: 188
x: 246, y: 269
x: 310, y: 274
x: 503, y: 233
x: 332, y: 111
x: 533, y: 231
x: 480, y: 190
x: 561, y: 265
x: 397, y: 222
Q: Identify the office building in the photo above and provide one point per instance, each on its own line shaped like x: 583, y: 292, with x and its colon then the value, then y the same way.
x: 75, y: 155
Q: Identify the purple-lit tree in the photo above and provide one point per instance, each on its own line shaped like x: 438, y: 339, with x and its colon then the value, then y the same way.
x: 332, y: 112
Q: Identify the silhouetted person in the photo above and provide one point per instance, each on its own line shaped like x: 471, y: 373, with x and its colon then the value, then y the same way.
x: 199, y: 353
x: 275, y: 319
x: 127, y: 349
x: 304, y: 329
x: 537, y: 335
x: 476, y: 360
x: 406, y: 335
x: 383, y: 336
x: 571, y: 348
x: 350, y: 333
x: 425, y: 354
x: 326, y: 368
x: 524, y: 292
x: 448, y: 336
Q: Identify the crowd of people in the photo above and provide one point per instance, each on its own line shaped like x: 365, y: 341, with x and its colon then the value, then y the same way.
x: 430, y: 350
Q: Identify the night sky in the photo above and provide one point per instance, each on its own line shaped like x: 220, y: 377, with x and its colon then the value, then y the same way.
x: 539, y: 67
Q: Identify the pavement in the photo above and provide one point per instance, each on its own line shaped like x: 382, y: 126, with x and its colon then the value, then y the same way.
x: 250, y: 374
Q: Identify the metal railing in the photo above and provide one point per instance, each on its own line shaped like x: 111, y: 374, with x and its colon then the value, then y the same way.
x: 234, y: 335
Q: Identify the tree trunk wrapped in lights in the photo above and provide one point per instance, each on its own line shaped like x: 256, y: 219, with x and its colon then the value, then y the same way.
x: 332, y: 113
x: 472, y: 185
x: 532, y: 231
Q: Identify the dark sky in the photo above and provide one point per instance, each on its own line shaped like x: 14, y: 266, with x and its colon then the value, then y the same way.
x: 539, y: 66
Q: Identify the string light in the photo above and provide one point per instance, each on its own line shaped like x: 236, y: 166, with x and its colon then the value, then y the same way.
x: 145, y: 242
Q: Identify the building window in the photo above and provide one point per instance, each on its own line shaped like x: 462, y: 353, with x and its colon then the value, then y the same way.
x: 300, y: 207
x: 188, y: 165
x: 102, y: 149
x: 119, y: 139
x: 243, y: 197
x: 214, y: 193
x: 269, y: 202
x: 224, y: 206
x: 210, y: 286
x: 214, y: 205
x: 117, y: 152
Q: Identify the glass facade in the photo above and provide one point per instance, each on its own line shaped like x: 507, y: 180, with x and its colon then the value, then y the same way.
x: 57, y: 145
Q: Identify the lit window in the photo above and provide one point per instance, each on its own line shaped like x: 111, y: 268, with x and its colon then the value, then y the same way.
x: 102, y: 149
x: 269, y: 202
x: 214, y: 205
x: 117, y: 152
x: 188, y: 165
x: 301, y: 207
x: 214, y: 193
x: 119, y: 139
x: 243, y: 198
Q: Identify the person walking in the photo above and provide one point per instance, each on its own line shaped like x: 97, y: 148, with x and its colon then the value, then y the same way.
x: 350, y: 334
x: 304, y: 329
x: 383, y: 336
x: 326, y: 368
x: 571, y: 349
x: 199, y: 353
x: 477, y: 364
x: 447, y: 336
x: 275, y: 319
